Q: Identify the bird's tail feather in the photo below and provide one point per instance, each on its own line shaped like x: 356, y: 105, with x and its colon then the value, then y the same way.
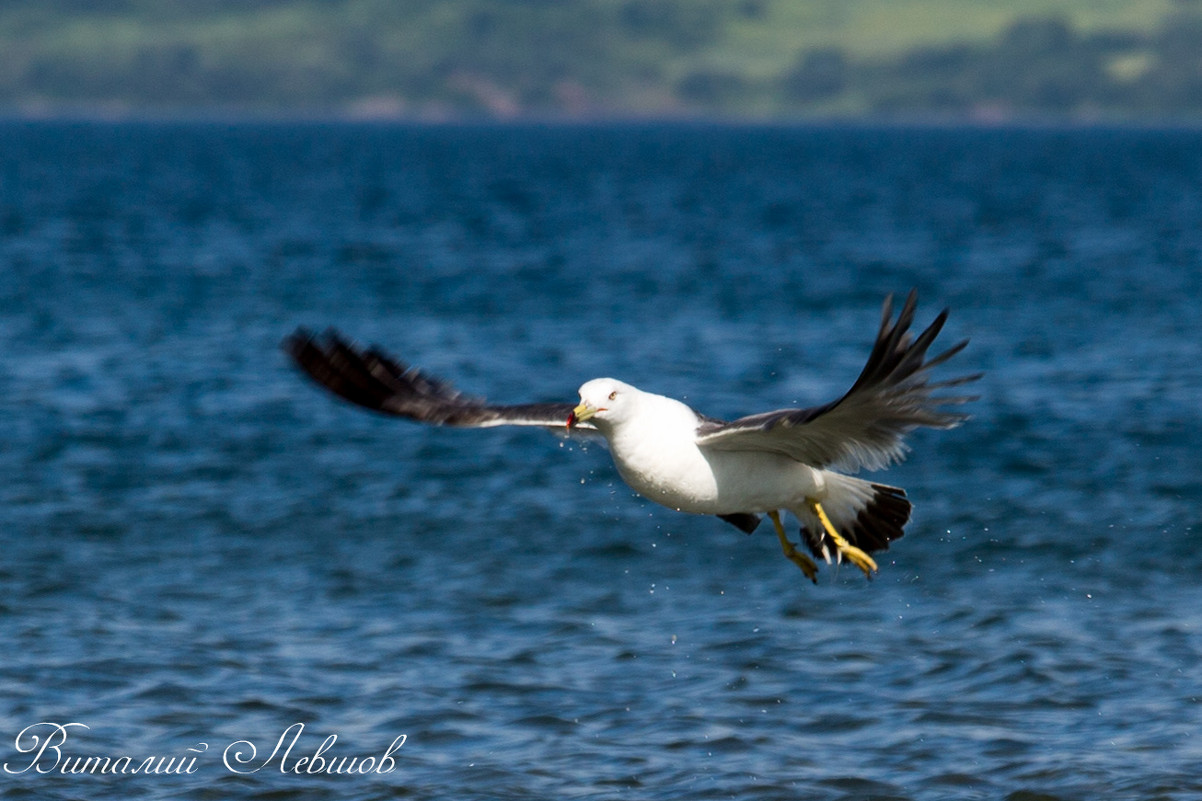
x: 866, y: 514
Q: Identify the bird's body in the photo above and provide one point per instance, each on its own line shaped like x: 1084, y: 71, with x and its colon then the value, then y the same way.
x: 655, y: 444
x: 655, y: 449
x: 790, y: 459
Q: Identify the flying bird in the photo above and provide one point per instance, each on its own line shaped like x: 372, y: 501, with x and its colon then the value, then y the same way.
x: 794, y: 460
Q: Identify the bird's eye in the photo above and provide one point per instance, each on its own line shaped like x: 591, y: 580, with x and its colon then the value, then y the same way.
x: 613, y: 394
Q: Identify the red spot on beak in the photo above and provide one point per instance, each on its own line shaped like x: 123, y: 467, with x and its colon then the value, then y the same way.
x: 571, y: 419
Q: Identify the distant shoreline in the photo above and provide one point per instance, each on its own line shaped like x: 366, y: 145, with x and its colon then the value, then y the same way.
x: 217, y: 115
x: 757, y: 62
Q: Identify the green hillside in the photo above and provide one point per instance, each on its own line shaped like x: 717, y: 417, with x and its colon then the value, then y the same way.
x: 506, y: 58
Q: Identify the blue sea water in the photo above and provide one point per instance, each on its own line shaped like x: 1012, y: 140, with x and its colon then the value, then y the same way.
x: 200, y: 551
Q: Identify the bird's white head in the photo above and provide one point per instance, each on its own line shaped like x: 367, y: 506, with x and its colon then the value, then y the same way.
x: 605, y: 401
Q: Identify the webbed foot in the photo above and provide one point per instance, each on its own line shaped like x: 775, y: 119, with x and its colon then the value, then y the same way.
x: 807, y: 565
x: 851, y: 553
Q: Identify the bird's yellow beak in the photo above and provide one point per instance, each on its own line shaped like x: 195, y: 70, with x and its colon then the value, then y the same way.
x: 581, y: 413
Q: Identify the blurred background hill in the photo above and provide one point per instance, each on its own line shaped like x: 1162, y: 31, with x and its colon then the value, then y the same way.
x: 759, y: 59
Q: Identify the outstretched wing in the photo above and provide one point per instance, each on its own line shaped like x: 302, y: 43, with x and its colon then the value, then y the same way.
x: 376, y: 381
x: 867, y: 426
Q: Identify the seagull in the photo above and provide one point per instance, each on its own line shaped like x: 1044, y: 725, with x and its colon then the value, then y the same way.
x: 795, y: 460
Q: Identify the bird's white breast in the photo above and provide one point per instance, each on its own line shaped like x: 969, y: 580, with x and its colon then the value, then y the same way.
x: 656, y: 453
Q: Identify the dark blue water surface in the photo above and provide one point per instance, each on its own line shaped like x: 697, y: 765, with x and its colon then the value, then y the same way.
x: 200, y: 547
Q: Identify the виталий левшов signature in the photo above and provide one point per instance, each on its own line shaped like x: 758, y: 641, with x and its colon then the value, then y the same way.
x: 43, y: 748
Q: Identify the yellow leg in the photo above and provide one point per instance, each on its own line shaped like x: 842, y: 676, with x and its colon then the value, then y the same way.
x: 856, y: 556
x: 791, y: 553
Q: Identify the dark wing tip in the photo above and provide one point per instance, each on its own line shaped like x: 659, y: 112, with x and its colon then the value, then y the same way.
x: 896, y: 355
x: 369, y: 377
x: 295, y: 343
x: 747, y: 522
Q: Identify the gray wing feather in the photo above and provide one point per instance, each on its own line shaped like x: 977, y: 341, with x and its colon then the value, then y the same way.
x: 376, y: 381
x: 867, y: 426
